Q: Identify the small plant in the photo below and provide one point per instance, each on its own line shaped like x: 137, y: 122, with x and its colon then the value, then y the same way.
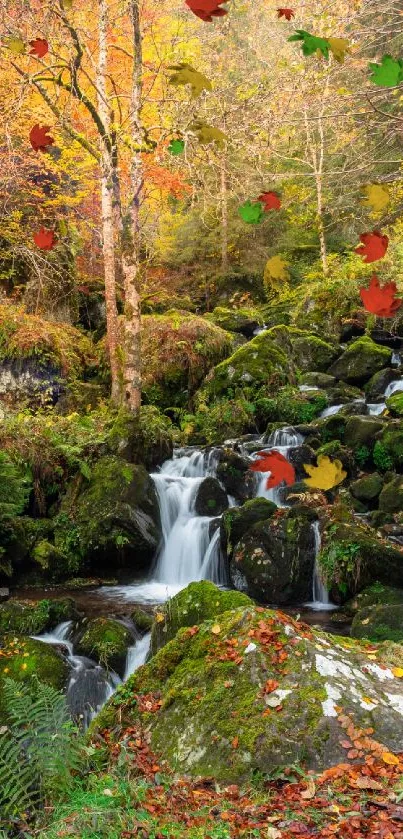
x: 381, y: 457
x: 340, y: 563
x: 362, y: 455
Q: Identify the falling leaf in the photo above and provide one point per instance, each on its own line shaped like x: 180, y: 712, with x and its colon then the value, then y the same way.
x: 278, y: 466
x: 389, y: 73
x: 275, y: 269
x: 216, y: 629
x: 373, y: 247
x: 39, y: 137
x: 398, y: 672
x: 160, y: 618
x: 327, y: 474
x: 45, y: 239
x: 310, y: 43
x: 377, y: 197
x: 270, y: 201
x: 207, y: 133
x: 310, y: 790
x: 381, y: 300
x: 251, y: 212
x: 207, y: 9
x: 339, y: 47
x: 176, y: 147
x: 39, y: 46
x: 390, y: 759
x: 15, y: 44
x: 287, y: 13
x: 186, y: 74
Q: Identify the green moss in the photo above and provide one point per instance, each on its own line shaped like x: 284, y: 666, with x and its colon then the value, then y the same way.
x: 27, y: 618
x: 379, y: 623
x: 107, y: 641
x: 236, y: 320
x: 391, y: 441
x: 367, y: 488
x: 360, y: 361
x: 395, y: 404
x: 238, y: 520
x: 307, y: 351
x: 142, y: 620
x: 375, y: 595
x: 391, y: 497
x: 22, y: 658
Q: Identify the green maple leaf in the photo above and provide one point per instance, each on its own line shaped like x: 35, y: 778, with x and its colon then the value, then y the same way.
x: 250, y: 212
x: 15, y: 44
x: 388, y: 73
x: 176, y: 147
x: 311, y: 43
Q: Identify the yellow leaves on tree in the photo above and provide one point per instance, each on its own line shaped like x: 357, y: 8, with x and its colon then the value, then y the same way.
x: 327, y: 474
x: 186, y: 74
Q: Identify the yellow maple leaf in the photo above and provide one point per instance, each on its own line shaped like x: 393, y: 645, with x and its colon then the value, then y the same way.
x: 186, y: 74
x: 339, y: 47
x: 216, y: 629
x: 15, y: 45
x: 207, y: 133
x: 391, y: 759
x: 327, y: 474
x: 377, y: 197
x: 398, y: 672
x: 275, y: 269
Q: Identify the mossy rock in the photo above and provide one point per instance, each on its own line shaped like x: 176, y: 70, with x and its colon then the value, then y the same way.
x: 378, y: 383
x: 193, y: 605
x: 360, y: 361
x: 211, y: 499
x: 236, y: 521
x: 360, y: 431
x: 315, y: 379
x: 28, y: 618
x: 113, y: 522
x: 391, y: 440
x: 107, y: 641
x: 353, y: 557
x: 379, y: 623
x: 375, y: 595
x: 305, y: 350
x: 394, y: 404
x: 23, y: 658
x: 234, y: 472
x: 330, y: 428
x: 226, y: 707
x: 274, y: 560
x: 289, y: 406
x: 50, y: 559
x: 241, y: 320
x: 391, y: 497
x: 142, y: 620
x: 367, y: 488
x: 18, y: 536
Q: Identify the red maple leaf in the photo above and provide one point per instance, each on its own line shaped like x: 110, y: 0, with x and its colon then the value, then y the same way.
x: 277, y: 465
x: 287, y: 13
x: 270, y: 200
x: 39, y: 46
x: 380, y: 300
x: 373, y: 247
x: 45, y: 239
x: 39, y: 137
x: 206, y: 9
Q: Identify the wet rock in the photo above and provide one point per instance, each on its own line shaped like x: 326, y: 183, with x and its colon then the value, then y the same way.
x: 107, y: 641
x: 211, y: 499
x: 361, y: 430
x: 379, y: 623
x: 300, y: 455
x: 233, y: 471
x: 29, y: 618
x: 26, y: 659
x: 394, y: 404
x: 378, y: 383
x: 320, y: 380
x: 360, y: 361
x: 391, y: 497
x: 375, y: 595
x: 367, y: 488
x: 237, y: 521
x: 142, y: 620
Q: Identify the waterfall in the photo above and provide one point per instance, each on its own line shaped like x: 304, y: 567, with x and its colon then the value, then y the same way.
x: 394, y: 387
x: 137, y: 655
x: 320, y: 595
x: 329, y: 412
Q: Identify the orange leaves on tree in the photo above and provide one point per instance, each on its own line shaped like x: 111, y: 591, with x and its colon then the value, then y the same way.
x: 270, y: 201
x: 279, y: 467
x: 40, y: 47
x: 288, y: 14
x: 380, y: 300
x: 45, y: 239
x: 39, y: 137
x: 207, y: 9
x: 373, y: 246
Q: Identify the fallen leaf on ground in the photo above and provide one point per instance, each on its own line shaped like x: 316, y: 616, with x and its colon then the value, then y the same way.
x: 287, y: 13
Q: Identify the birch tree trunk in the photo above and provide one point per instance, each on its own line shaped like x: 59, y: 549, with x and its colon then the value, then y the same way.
x: 317, y: 155
x: 224, y: 218
x: 107, y: 205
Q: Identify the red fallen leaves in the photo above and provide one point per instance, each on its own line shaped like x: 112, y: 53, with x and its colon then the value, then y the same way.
x: 39, y: 137
x: 45, y: 239
x: 287, y: 13
x: 279, y: 467
x: 380, y: 300
x: 373, y: 246
x: 40, y: 47
x: 270, y: 201
x: 206, y: 9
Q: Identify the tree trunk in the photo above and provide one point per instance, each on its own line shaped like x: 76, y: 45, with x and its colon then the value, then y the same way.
x: 107, y: 206
x: 130, y: 233
x: 224, y: 218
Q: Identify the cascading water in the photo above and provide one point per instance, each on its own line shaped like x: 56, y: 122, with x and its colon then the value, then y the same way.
x: 281, y: 440
x: 320, y: 595
x: 137, y: 655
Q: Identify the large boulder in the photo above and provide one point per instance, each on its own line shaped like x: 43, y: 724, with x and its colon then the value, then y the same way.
x: 193, y: 605
x: 367, y: 488
x: 211, y: 499
x: 391, y: 497
x: 113, y: 522
x: 375, y: 388
x: 322, y: 381
x: 379, y: 623
x: 236, y: 521
x: 28, y: 618
x: 360, y: 361
x: 24, y: 659
x: 305, y: 351
x: 274, y: 561
x: 377, y: 594
x: 361, y: 430
x: 235, y: 474
x: 252, y: 691
x: 243, y: 321
x: 394, y: 404
x: 107, y: 641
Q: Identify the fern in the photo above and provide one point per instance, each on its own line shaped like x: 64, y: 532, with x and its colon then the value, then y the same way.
x: 40, y: 748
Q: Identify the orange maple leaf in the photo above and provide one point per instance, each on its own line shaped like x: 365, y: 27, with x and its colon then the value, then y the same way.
x: 45, y: 239
x: 381, y: 300
x: 279, y: 467
x: 373, y: 246
x: 39, y: 137
x: 206, y: 9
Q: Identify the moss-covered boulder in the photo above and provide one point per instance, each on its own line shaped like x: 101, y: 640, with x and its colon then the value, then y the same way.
x: 243, y: 320
x: 377, y: 594
x: 179, y: 349
x: 252, y: 691
x: 29, y: 618
x: 394, y: 404
x: 379, y: 623
x: 142, y: 620
x: 375, y: 388
x: 23, y: 659
x: 112, y: 522
x: 391, y: 497
x: 306, y: 351
x: 234, y: 472
x: 236, y: 521
x: 353, y: 557
x: 211, y: 499
x: 315, y: 379
x: 107, y: 641
x: 361, y: 430
x: 193, y: 605
x: 274, y: 561
x: 361, y: 360
x: 388, y: 449
x: 367, y: 488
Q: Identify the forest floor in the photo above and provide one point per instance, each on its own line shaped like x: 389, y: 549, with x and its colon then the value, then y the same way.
x: 140, y: 797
